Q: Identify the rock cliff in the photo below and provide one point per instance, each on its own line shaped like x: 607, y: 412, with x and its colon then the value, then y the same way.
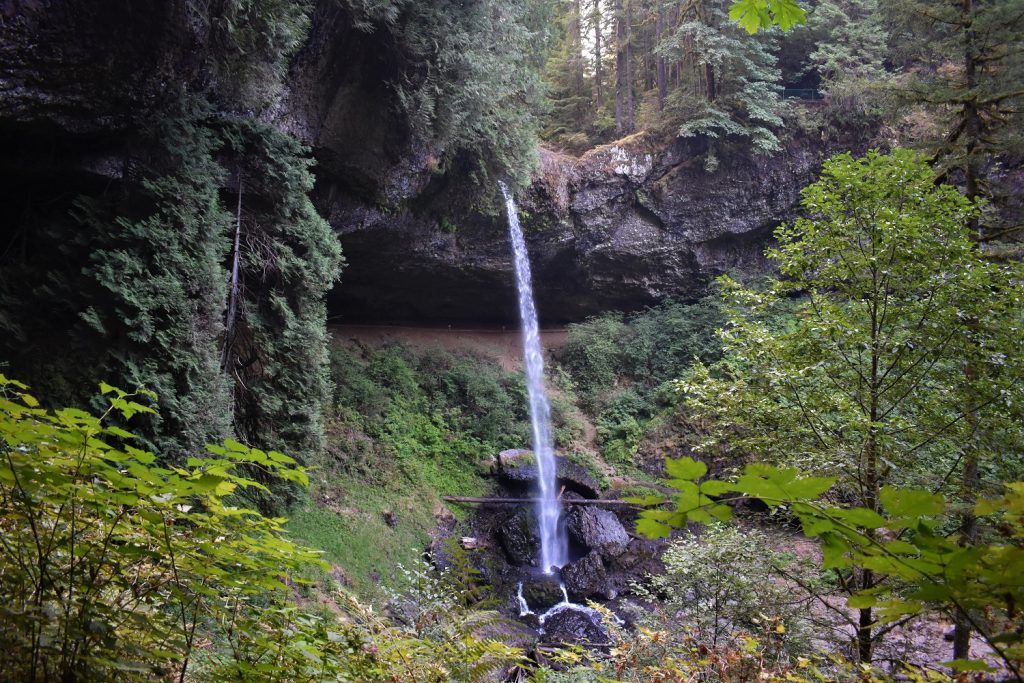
x: 623, y: 226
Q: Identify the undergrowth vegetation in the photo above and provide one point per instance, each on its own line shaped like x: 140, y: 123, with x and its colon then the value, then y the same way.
x: 405, y: 427
x: 622, y: 366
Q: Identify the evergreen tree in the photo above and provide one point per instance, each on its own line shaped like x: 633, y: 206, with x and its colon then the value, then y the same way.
x: 289, y: 258
x: 569, y: 98
x: 467, y: 85
x: 851, y: 47
x: 151, y: 303
x: 968, y: 72
x: 730, y: 89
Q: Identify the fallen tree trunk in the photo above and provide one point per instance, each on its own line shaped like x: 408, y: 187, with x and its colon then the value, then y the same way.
x: 521, y: 501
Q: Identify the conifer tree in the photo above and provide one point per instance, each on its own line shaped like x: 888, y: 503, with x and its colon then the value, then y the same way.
x: 851, y: 46
x: 569, y: 96
x: 969, y: 73
x: 730, y: 89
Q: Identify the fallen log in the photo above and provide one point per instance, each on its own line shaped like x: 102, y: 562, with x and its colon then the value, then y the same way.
x: 522, y: 501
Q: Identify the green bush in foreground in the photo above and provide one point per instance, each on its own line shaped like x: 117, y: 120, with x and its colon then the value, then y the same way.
x: 110, y: 565
x: 115, y: 569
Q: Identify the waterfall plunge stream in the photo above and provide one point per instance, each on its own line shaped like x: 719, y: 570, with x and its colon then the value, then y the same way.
x: 554, y: 546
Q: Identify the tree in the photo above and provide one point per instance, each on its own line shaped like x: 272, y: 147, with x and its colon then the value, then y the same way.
x: 289, y: 257
x: 865, y: 382
x: 969, y: 75
x: 731, y: 88
x: 970, y: 78
x: 852, y: 47
x: 570, y: 113
x: 465, y: 83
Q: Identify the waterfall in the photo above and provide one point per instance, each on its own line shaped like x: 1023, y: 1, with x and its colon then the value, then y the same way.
x: 554, y: 547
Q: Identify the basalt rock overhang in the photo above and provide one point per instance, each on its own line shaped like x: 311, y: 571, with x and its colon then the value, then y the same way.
x: 625, y: 226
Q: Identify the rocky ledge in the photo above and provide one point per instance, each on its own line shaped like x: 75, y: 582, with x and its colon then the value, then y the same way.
x: 624, y: 226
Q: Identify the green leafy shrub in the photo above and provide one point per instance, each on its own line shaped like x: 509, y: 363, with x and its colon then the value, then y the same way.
x: 919, y: 569
x: 592, y: 355
x: 481, y: 398
x: 644, y: 350
x: 619, y: 427
x: 721, y: 588
x: 113, y: 568
x: 110, y: 563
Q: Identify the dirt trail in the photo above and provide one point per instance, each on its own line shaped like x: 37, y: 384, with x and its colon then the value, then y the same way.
x: 502, y: 344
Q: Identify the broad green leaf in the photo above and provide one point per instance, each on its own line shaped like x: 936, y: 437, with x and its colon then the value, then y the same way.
x: 652, y: 529
x: 834, y: 552
x: 715, y: 487
x: 988, y: 506
x: 968, y: 665
x: 861, y: 600
x: 860, y: 517
x: 787, y: 13
x: 233, y: 445
x: 686, y: 469
x: 809, y: 488
x: 911, y: 502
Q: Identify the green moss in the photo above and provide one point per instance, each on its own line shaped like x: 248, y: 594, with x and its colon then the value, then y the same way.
x: 520, y: 460
x: 446, y: 224
x: 587, y: 461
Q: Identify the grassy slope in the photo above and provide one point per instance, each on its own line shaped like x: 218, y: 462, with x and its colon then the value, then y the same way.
x: 402, y: 434
x: 411, y: 423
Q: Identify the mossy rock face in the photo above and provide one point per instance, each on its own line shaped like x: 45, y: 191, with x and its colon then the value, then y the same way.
x: 574, y: 626
x: 542, y: 592
x: 518, y: 468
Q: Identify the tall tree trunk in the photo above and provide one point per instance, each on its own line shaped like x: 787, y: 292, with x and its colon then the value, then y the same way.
x: 629, y: 67
x: 575, y: 45
x: 706, y: 69
x: 233, y: 292
x: 598, y: 67
x: 971, y: 480
x: 870, y: 478
x: 620, y: 67
x: 660, y: 76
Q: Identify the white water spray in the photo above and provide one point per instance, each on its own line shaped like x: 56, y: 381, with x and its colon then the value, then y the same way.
x: 554, y: 546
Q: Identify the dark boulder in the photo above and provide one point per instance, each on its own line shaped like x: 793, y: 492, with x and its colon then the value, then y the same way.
x: 542, y: 591
x: 587, y: 578
x: 518, y: 536
x: 598, y: 530
x: 518, y: 467
x: 574, y: 625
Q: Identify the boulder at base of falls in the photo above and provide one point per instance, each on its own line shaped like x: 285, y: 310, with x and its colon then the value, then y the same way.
x: 542, y: 591
x: 518, y: 536
x: 573, y: 625
x: 518, y: 467
x: 598, y: 530
x: 587, y: 578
